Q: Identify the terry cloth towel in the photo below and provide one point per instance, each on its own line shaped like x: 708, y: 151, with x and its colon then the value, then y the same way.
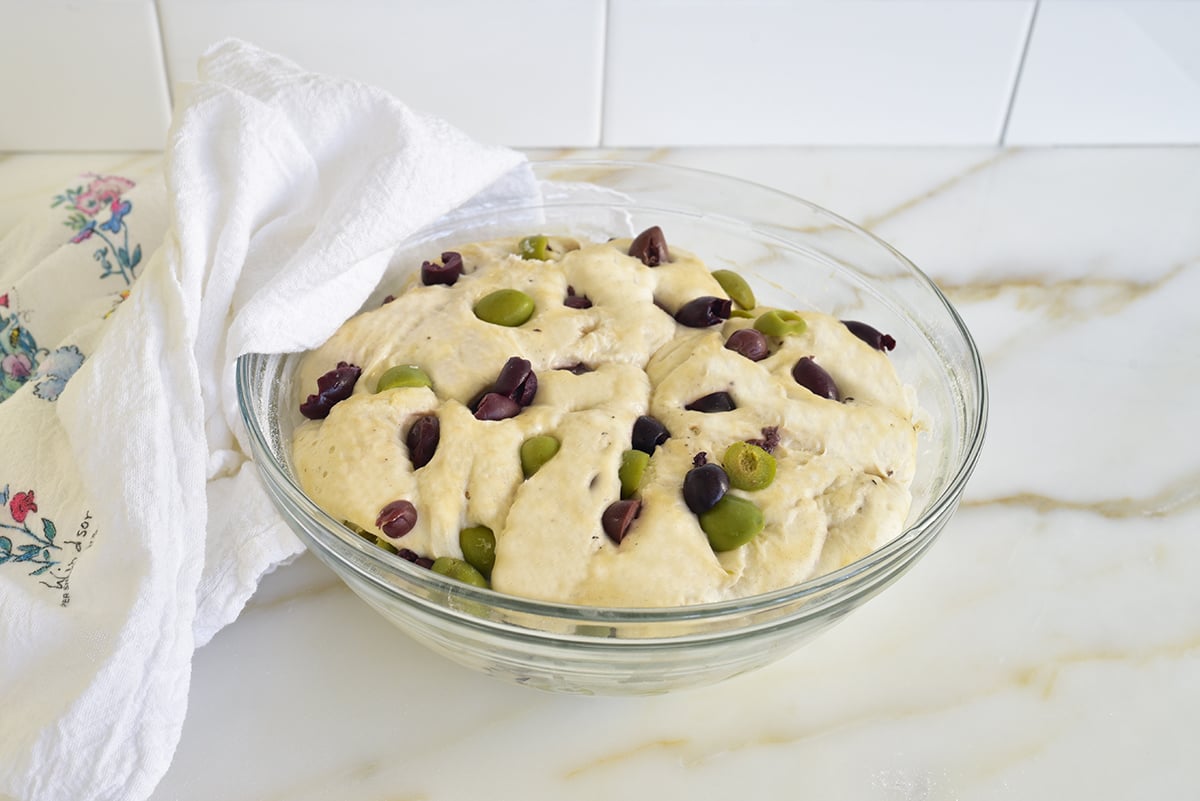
x: 133, y: 526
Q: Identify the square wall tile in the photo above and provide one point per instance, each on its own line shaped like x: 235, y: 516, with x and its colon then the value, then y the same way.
x: 81, y: 76
x: 761, y: 72
x: 1104, y: 72
x: 524, y: 73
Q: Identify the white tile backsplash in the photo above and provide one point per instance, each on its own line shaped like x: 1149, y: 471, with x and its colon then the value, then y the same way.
x: 522, y: 72
x: 708, y: 72
x: 81, y: 76
x: 1105, y: 72
x: 97, y: 74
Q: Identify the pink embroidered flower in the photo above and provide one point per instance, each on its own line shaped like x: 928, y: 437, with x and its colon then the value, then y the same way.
x: 84, y: 232
x: 108, y: 188
x: 4, y: 300
x: 17, y: 365
x: 21, y: 505
x: 89, y: 203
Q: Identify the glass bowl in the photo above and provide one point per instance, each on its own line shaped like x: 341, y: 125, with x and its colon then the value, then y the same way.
x: 795, y: 255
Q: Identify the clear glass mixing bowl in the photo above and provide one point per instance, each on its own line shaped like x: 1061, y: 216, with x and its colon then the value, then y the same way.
x: 795, y: 255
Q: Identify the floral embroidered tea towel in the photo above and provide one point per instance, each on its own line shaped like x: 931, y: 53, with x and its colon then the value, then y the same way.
x: 132, y: 525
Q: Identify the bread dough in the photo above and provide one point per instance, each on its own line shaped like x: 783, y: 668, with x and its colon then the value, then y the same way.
x: 843, y: 468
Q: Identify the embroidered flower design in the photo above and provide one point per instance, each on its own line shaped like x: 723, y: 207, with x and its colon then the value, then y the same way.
x: 17, y: 365
x: 103, y: 191
x: 84, y: 232
x: 119, y: 209
x: 21, y: 505
x: 55, y: 371
x: 32, y: 548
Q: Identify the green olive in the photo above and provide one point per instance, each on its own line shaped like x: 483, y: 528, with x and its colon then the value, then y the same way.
x: 459, y: 570
x: 779, y: 323
x: 744, y: 314
x: 535, y: 247
x: 478, y: 545
x: 633, y: 465
x: 735, y: 287
x: 731, y: 523
x: 403, y: 375
x: 749, y: 466
x: 510, y: 307
x: 536, y: 451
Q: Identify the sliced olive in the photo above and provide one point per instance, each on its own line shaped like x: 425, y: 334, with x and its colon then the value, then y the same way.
x: 731, y: 523
x: 536, y: 451
x: 633, y: 467
x: 749, y: 466
x: 459, y: 570
x: 535, y: 247
x: 478, y: 545
x: 779, y: 323
x: 735, y: 287
x: 403, y: 375
x: 507, y: 307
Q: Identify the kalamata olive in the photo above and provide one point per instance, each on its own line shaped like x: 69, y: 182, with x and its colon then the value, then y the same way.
x: 749, y: 343
x: 712, y: 402
x: 870, y: 335
x: 813, y: 377
x: 397, y: 519
x: 650, y: 246
x: 445, y: 273
x: 422, y: 440
x: 494, y: 406
x: 517, y: 381
x: 704, y: 311
x: 573, y: 301
x: 415, y: 558
x: 648, y: 434
x: 618, y: 517
x: 703, y: 486
x: 332, y: 388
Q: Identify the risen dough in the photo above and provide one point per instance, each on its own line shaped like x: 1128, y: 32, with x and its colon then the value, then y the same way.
x: 841, y: 487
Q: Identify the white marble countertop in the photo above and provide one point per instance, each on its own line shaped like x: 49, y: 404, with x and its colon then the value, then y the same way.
x: 1047, y: 647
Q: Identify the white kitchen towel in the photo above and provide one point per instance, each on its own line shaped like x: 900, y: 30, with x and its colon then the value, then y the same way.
x: 132, y: 526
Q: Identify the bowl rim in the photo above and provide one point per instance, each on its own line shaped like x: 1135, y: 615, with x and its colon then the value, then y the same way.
x: 826, y: 584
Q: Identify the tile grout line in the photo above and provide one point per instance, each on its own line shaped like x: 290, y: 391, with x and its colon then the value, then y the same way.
x: 604, y: 61
x: 162, y: 51
x: 1016, y: 85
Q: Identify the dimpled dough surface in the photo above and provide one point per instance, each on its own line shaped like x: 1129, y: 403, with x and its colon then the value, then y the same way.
x: 843, y: 469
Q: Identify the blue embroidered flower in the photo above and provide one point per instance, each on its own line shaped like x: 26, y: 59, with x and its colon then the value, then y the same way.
x: 119, y: 209
x: 55, y: 370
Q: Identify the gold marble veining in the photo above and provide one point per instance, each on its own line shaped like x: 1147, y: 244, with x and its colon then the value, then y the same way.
x: 871, y: 221
x: 626, y: 754
x: 1059, y: 299
x: 1181, y: 495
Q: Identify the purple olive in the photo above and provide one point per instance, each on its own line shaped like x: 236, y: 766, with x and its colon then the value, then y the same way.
x: 749, y: 343
x: 704, y: 311
x: 870, y: 335
x: 813, y: 377
x: 517, y: 381
x: 422, y: 440
x: 445, y: 273
x: 648, y: 434
x: 397, y: 519
x: 650, y: 247
x: 332, y: 388
x: 494, y: 406
x: 703, y: 486
x: 618, y: 517
x: 712, y: 402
